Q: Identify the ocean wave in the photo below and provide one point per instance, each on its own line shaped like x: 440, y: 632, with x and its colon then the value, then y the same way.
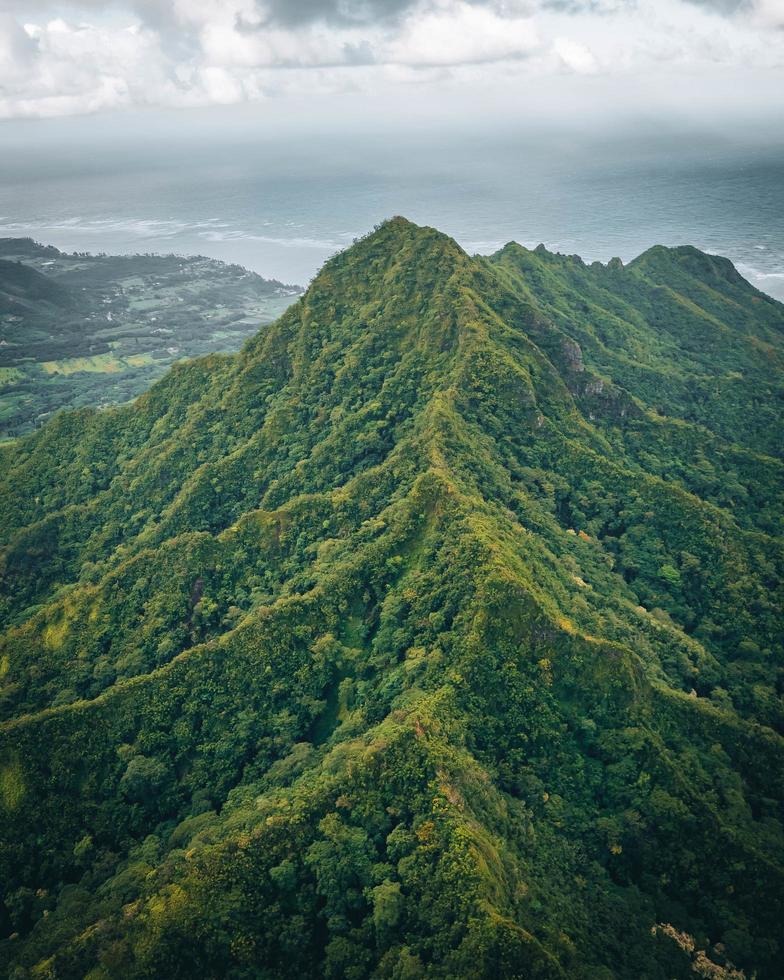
x: 150, y: 229
x: 137, y: 227
x: 482, y: 247
x: 323, y: 244
x: 750, y: 272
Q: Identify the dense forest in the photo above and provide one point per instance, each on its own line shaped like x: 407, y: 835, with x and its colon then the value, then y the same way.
x: 437, y: 633
x: 80, y: 330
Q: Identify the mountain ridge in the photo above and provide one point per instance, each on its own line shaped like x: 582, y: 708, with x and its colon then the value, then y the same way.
x: 438, y: 647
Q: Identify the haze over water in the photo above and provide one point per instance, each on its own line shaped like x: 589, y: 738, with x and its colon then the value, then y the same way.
x: 282, y: 206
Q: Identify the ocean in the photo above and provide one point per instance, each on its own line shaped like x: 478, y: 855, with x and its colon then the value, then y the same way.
x: 282, y: 205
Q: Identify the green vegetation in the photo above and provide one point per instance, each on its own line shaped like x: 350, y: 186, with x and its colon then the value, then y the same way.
x: 437, y: 633
x: 94, y: 330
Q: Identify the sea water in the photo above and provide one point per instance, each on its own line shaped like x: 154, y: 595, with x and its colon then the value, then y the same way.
x: 281, y: 205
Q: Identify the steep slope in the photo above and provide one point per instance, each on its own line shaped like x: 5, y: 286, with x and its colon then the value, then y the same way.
x: 437, y: 633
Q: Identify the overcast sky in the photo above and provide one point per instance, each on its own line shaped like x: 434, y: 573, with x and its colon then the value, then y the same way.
x: 61, y: 58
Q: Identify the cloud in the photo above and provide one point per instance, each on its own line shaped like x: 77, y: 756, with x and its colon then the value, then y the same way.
x: 769, y: 13
x: 461, y: 34
x: 17, y: 49
x: 59, y: 68
x: 725, y: 7
x: 59, y: 58
x: 341, y: 12
x: 589, y: 6
x: 764, y: 13
x: 575, y: 56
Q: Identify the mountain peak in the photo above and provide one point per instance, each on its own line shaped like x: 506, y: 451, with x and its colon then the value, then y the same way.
x: 668, y: 259
x: 400, y: 231
x: 397, y: 275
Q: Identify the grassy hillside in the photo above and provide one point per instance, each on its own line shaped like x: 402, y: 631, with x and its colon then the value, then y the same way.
x: 92, y: 330
x: 437, y: 633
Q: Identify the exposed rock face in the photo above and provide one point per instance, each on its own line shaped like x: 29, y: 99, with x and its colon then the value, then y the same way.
x: 573, y: 355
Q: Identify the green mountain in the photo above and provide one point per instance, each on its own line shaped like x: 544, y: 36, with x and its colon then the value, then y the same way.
x: 85, y: 330
x: 437, y: 633
x: 26, y: 292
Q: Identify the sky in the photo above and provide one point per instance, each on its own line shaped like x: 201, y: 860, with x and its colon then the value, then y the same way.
x: 373, y: 58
